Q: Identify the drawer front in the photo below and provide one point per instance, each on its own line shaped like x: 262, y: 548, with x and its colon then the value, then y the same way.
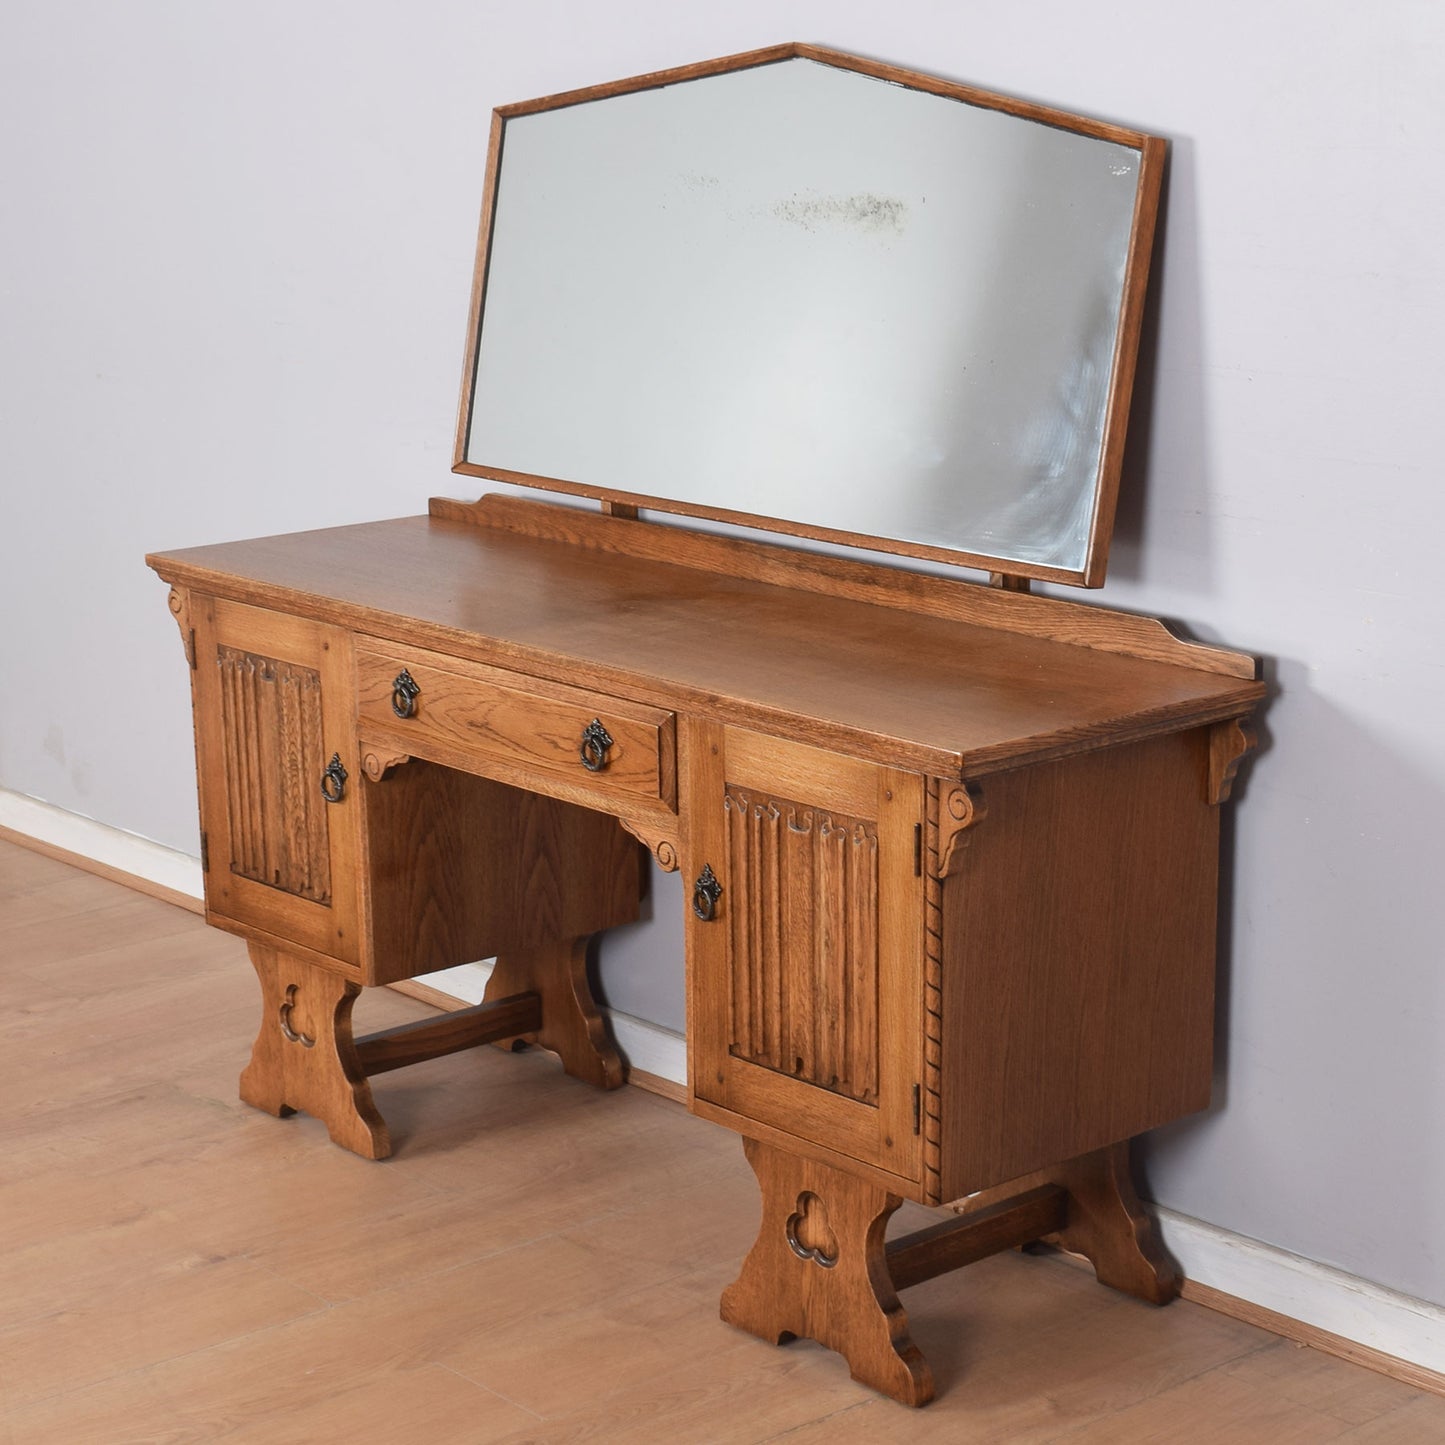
x: 516, y: 728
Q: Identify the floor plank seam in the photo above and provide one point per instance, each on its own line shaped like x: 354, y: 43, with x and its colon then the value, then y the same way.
x: 816, y: 1421
x: 1214, y: 1367
x: 550, y: 1328
x: 490, y: 1389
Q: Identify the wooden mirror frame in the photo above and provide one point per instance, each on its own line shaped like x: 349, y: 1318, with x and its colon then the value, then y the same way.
x: 1151, y: 151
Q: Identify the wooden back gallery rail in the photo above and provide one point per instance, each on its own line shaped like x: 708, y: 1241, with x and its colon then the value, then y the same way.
x: 951, y: 850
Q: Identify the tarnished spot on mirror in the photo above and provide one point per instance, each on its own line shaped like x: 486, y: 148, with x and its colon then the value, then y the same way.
x: 802, y: 291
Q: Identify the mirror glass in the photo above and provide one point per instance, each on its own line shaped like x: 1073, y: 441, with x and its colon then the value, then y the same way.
x: 813, y: 297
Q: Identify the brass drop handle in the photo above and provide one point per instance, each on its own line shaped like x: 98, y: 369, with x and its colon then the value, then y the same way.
x: 705, y: 894
x: 596, y: 740
x: 404, y: 693
x: 333, y: 780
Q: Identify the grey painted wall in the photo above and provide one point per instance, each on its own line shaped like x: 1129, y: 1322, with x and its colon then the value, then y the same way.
x: 235, y: 248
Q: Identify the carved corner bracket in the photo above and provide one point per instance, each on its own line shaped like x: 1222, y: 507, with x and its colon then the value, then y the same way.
x: 376, y: 765
x: 661, y: 845
x: 960, y: 808
x: 179, y: 603
x: 1230, y: 742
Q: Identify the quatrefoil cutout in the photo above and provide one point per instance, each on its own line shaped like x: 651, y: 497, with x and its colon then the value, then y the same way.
x: 809, y: 1234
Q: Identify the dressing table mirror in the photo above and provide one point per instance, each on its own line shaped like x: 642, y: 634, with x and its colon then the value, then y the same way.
x: 950, y: 849
x: 799, y: 291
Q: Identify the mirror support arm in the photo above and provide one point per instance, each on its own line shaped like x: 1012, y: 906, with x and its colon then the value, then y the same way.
x: 1008, y: 582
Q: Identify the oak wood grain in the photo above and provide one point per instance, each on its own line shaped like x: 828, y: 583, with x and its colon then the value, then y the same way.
x: 910, y: 690
x: 461, y: 867
x: 304, y: 1056
x: 930, y: 1093
x: 272, y: 704
x: 943, y: 596
x: 951, y: 1244
x: 806, y: 987
x: 1230, y: 743
x: 818, y: 1270
x: 273, y: 739
x: 479, y: 288
x: 1078, y: 934
x: 898, y: 75
x: 1151, y: 151
x: 967, y: 860
x: 467, y: 1028
x: 1107, y: 1224
x: 804, y: 930
x: 571, y: 1025
x: 177, y: 1269
x: 1152, y: 154
x: 518, y: 721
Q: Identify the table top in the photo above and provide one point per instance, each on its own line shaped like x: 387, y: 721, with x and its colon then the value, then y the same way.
x: 948, y: 697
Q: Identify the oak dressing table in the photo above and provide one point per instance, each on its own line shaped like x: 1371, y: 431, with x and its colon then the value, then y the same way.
x: 953, y: 848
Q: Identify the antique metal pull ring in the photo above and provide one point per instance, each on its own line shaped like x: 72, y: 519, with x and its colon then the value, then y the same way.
x: 333, y: 780
x: 596, y: 740
x: 705, y: 894
x: 404, y: 693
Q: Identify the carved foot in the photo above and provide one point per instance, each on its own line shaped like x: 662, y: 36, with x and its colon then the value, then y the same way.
x: 304, y: 1057
x: 1108, y: 1225
x: 819, y: 1269
x: 572, y: 1028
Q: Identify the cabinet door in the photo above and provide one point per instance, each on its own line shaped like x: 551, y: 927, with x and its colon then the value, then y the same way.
x: 273, y: 705
x: 806, y: 983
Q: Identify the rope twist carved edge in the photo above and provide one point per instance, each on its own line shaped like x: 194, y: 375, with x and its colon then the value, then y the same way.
x: 932, y: 1002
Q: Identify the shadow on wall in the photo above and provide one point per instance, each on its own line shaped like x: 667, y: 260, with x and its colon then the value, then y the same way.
x: 1328, y: 953
x: 1169, y: 405
x: 638, y: 968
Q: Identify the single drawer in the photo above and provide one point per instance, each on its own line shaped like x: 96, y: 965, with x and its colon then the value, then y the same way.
x: 515, y: 728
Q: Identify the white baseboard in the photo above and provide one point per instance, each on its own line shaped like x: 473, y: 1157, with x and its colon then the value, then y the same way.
x: 1287, y: 1284
x: 647, y: 1046
x: 1315, y: 1294
x: 112, y: 847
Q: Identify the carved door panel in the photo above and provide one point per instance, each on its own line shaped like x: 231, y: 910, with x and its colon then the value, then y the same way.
x: 278, y: 817
x: 806, y: 977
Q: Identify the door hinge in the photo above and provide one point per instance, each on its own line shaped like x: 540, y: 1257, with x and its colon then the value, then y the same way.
x: 191, y: 647
x: 918, y: 1108
x: 918, y: 850
x: 205, y: 853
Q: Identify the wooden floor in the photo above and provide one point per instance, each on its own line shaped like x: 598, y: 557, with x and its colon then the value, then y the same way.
x: 537, y: 1262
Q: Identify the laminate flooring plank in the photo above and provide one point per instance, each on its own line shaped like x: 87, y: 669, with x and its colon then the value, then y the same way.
x: 23, y: 904
x: 25, y: 871
x: 1284, y: 1394
x: 183, y: 1302
x: 514, y: 1202
x: 78, y: 933
x: 429, y: 1404
x: 179, y: 957
x: 1417, y: 1422
x: 538, y: 1262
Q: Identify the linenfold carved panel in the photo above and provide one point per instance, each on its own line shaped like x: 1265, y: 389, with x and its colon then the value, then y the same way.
x: 272, y: 731
x: 803, y: 912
